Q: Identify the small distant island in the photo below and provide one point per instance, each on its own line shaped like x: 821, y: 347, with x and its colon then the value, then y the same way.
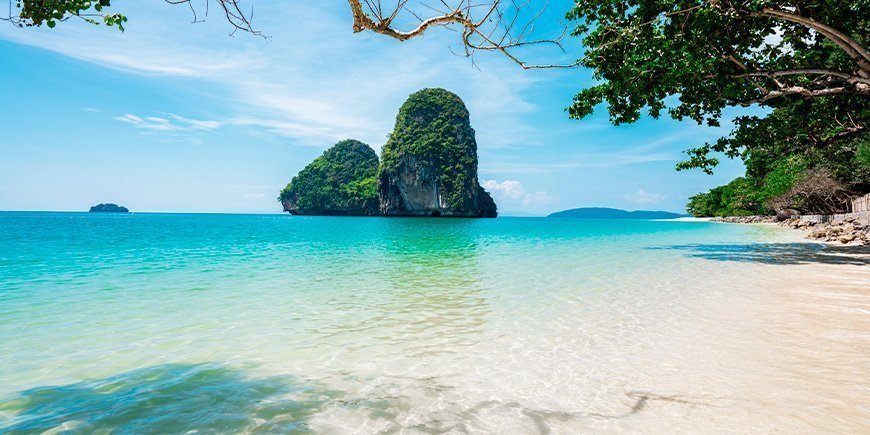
x: 108, y: 208
x: 428, y: 167
x: 613, y: 213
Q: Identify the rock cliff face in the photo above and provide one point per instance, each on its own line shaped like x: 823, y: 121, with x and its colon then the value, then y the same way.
x: 429, y: 164
x: 342, y: 181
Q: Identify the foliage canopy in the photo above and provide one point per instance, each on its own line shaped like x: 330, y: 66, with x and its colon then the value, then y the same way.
x: 35, y: 13
x: 714, y: 54
x: 341, y: 181
x: 806, y: 61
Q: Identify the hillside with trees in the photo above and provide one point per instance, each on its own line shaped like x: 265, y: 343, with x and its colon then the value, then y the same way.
x: 342, y: 181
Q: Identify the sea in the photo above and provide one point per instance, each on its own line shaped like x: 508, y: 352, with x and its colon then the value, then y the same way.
x: 228, y: 323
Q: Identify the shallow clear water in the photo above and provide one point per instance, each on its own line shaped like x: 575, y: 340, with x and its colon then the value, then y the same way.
x: 167, y: 323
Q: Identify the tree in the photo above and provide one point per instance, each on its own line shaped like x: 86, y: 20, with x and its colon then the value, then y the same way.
x: 718, y: 53
x: 806, y: 61
x: 35, y: 13
x: 825, y: 129
x: 737, y: 198
x: 816, y: 191
x: 496, y: 25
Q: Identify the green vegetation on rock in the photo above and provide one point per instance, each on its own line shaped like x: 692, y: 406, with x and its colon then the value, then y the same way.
x: 429, y: 163
x: 429, y: 168
x: 342, y: 181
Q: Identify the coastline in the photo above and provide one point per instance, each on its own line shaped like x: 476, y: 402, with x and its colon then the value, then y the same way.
x: 849, y: 231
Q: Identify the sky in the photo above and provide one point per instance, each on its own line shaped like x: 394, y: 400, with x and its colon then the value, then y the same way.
x: 175, y: 116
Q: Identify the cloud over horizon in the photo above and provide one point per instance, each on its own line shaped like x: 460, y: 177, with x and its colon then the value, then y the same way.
x: 644, y: 197
x: 512, y: 191
x: 313, y: 86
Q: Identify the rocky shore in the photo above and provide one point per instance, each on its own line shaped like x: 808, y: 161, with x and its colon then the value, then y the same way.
x: 746, y: 219
x: 847, y: 231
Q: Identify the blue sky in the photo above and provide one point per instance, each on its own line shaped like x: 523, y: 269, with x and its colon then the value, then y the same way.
x: 175, y: 116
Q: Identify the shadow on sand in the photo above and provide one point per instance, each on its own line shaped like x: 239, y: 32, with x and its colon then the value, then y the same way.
x: 171, y: 398
x: 777, y: 253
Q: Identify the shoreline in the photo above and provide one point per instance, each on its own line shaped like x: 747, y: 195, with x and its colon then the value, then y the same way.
x: 849, y: 231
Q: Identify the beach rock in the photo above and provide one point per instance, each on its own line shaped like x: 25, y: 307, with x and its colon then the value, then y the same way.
x: 746, y: 219
x: 848, y: 238
x: 849, y: 230
x: 846, y: 231
x: 818, y: 233
x: 342, y: 181
x: 429, y: 163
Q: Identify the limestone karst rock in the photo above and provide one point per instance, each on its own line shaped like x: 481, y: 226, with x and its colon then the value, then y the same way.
x: 342, y: 181
x: 429, y: 164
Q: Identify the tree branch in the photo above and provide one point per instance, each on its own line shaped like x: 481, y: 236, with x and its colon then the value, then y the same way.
x: 239, y: 19
x: 478, y: 33
x: 806, y: 71
x: 799, y: 90
x: 849, y: 45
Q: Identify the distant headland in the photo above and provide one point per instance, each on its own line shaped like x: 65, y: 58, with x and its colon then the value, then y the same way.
x: 613, y: 213
x: 108, y: 208
x: 428, y: 167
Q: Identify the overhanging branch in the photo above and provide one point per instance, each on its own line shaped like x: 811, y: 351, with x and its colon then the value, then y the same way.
x: 842, y: 40
x: 798, y: 90
x: 489, y: 26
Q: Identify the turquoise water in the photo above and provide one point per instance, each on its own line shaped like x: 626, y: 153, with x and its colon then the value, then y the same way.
x: 166, y: 323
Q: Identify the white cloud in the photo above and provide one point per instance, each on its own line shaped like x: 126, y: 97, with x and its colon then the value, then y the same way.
x: 644, y: 197
x: 591, y: 160
x: 196, y: 124
x: 148, y: 123
x: 513, y: 191
x: 316, y: 81
x: 509, y: 189
x: 173, y: 125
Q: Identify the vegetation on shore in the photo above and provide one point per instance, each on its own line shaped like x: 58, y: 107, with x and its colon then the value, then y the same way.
x: 797, y: 183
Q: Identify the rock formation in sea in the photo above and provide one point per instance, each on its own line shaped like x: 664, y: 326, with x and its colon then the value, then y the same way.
x: 108, y: 208
x: 342, y: 181
x: 429, y: 163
